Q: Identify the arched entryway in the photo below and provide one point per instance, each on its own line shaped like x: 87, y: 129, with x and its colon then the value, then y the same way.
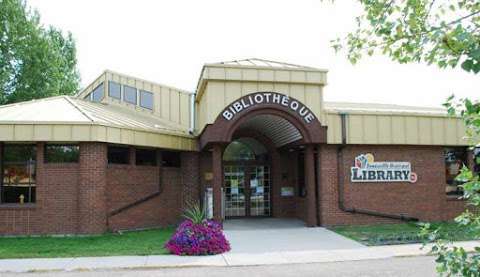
x: 257, y: 135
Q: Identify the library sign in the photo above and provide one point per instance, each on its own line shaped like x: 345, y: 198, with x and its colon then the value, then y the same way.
x: 366, y: 169
x: 268, y: 98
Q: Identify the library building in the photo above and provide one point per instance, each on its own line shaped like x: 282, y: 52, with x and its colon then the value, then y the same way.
x: 255, y: 139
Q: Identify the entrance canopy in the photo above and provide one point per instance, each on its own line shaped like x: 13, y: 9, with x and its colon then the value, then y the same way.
x: 279, y: 130
x: 278, y: 117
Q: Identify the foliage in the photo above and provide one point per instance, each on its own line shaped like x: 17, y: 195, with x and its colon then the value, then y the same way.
x: 195, y: 239
x: 35, y: 61
x: 445, y: 33
x: 195, y: 214
x: 442, y: 32
x: 454, y: 260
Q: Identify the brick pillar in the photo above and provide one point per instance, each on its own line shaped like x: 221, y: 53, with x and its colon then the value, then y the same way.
x: 41, y: 190
x: 217, y: 182
x: 132, y: 155
x: 190, y: 178
x: 92, y: 205
x: 310, y: 185
x: 276, y: 184
x: 319, y: 186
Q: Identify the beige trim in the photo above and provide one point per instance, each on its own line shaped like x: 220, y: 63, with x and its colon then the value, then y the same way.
x: 400, y: 129
x: 94, y: 132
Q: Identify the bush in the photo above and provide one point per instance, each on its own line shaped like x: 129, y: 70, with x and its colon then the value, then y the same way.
x: 194, y: 239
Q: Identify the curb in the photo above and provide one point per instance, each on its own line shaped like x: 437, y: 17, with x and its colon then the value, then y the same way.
x: 223, y: 260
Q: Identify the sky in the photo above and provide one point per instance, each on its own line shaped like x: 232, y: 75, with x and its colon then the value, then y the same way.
x: 169, y: 41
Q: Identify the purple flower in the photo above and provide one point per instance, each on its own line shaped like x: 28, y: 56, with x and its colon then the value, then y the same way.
x: 206, y: 238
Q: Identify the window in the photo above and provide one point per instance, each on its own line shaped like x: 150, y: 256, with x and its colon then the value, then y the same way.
x: 455, y: 159
x: 114, y: 90
x: 97, y: 93
x: 130, y: 95
x: 18, y: 173
x: 146, y: 99
x: 238, y: 151
x: 171, y: 159
x: 118, y: 155
x: 62, y: 153
x: 476, y: 160
x: 146, y: 157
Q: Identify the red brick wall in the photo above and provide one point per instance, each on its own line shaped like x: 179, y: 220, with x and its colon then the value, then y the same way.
x: 159, y: 211
x: 129, y: 183
x: 425, y: 199
x: 76, y: 198
x: 190, y: 178
x: 92, y: 204
x: 291, y: 206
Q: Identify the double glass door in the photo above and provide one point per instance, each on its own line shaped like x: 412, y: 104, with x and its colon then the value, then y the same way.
x: 247, y: 190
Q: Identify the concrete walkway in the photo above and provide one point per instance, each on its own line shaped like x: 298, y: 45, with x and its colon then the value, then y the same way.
x: 266, y: 235
x: 228, y: 259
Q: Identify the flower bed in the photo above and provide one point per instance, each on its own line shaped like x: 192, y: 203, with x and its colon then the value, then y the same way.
x: 194, y: 239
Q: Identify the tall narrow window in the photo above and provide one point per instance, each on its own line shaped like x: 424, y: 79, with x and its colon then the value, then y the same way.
x: 19, y: 174
x: 97, y: 93
x: 476, y: 160
x: 146, y: 99
x: 114, y: 90
x: 130, y: 95
x: 455, y: 159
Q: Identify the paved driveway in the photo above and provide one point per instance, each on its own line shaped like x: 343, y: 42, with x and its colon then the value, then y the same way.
x: 278, y: 235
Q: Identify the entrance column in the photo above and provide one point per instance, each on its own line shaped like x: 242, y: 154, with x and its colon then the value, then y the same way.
x: 310, y: 185
x: 217, y: 182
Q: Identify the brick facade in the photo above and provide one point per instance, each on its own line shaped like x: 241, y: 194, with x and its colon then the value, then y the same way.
x: 79, y: 198
x: 190, y: 163
x: 92, y: 188
x: 425, y: 199
x: 56, y: 207
x: 163, y: 210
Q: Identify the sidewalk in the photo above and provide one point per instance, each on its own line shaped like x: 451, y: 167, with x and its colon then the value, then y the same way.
x: 228, y: 259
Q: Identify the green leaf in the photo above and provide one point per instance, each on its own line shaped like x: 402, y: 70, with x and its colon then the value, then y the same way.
x: 467, y: 65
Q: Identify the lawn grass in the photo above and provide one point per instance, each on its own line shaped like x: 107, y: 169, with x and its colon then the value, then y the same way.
x: 149, y: 242
x: 401, y: 233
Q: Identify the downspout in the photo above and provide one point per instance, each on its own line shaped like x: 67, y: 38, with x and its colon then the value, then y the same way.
x: 341, y: 184
x: 192, y: 113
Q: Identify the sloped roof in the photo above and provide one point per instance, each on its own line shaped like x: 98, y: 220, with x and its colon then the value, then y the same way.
x: 382, y: 108
x: 71, y: 110
x: 255, y: 62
